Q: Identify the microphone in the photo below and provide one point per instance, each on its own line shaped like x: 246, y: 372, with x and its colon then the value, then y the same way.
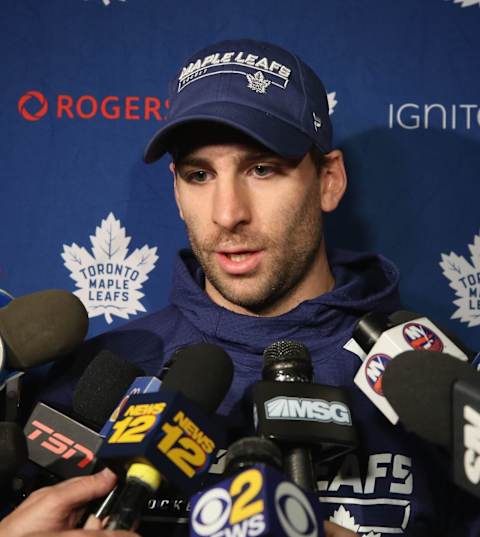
x: 35, y: 329
x: 138, y: 386
x: 13, y: 455
x: 404, y: 316
x: 289, y: 361
x: 256, y: 499
x: 10, y: 394
x: 104, y: 383
x: 41, y: 327
x: 382, y: 338
x: 168, y: 435
x: 438, y: 397
x: 13, y: 449
x: 298, y: 414
x: 64, y: 446
x: 86, y: 404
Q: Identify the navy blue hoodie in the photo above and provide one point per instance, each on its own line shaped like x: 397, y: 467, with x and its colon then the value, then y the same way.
x: 389, y: 485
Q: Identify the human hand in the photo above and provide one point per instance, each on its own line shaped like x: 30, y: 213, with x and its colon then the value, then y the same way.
x: 57, y: 508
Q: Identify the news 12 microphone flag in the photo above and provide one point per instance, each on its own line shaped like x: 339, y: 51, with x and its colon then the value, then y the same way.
x: 85, y: 85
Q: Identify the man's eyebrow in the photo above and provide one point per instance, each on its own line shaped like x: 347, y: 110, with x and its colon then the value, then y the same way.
x: 192, y: 161
x: 269, y: 156
x: 261, y: 155
x: 202, y: 162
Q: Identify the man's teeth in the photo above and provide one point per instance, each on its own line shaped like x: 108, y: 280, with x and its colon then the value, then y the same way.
x: 238, y: 257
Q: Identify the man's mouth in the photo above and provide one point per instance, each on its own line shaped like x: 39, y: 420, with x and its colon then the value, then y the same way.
x: 238, y: 257
x: 239, y: 262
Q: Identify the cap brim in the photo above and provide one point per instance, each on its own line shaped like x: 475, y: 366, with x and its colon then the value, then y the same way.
x: 275, y: 134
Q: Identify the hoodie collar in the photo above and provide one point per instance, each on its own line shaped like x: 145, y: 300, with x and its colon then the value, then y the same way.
x: 363, y: 282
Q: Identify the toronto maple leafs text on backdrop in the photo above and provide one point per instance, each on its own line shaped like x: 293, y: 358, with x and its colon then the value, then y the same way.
x: 110, y: 281
x: 465, y: 281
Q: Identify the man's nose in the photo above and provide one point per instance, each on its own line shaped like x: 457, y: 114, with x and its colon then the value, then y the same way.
x: 231, y: 203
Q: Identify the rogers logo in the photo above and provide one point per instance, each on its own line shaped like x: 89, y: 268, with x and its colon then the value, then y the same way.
x: 41, y: 105
x: 111, y: 107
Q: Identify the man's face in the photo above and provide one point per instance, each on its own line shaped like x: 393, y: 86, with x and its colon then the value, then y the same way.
x: 254, y: 223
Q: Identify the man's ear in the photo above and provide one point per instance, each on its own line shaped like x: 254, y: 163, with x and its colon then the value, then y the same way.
x: 333, y: 180
x: 175, y: 188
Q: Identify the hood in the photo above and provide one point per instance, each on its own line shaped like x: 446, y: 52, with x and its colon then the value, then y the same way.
x: 364, y: 282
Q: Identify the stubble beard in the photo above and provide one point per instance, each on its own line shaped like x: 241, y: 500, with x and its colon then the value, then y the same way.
x: 288, y: 261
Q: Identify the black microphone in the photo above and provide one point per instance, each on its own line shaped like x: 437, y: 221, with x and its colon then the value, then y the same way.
x: 66, y: 446
x: 275, y: 506
x: 300, y: 415
x: 168, y: 435
x: 289, y: 361
x: 13, y: 449
x: 41, y: 327
x: 13, y: 455
x: 438, y: 397
x: 35, y: 329
x: 101, y: 387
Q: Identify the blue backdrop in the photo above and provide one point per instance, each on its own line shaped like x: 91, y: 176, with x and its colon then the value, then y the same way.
x: 85, y: 85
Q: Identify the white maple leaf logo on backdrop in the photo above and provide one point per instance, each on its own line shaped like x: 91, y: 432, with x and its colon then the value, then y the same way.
x: 467, y: 3
x: 465, y: 281
x: 332, y: 102
x: 109, y: 281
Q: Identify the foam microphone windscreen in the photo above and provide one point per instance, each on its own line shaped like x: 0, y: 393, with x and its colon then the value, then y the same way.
x: 203, y: 373
x: 41, y: 327
x: 419, y: 386
x: 287, y: 361
x: 251, y: 450
x: 13, y: 448
x: 102, y: 386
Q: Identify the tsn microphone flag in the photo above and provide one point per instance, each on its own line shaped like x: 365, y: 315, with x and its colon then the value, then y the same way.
x: 60, y: 444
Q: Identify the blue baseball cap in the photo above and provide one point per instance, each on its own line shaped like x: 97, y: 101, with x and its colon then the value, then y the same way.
x: 258, y: 88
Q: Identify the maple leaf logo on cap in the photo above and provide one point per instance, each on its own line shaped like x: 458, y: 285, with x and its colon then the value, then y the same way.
x: 258, y: 82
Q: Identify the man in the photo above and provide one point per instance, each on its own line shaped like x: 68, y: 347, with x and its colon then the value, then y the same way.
x: 254, y: 169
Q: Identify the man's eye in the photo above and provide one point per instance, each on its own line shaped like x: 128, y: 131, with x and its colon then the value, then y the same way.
x: 261, y: 170
x: 199, y: 176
